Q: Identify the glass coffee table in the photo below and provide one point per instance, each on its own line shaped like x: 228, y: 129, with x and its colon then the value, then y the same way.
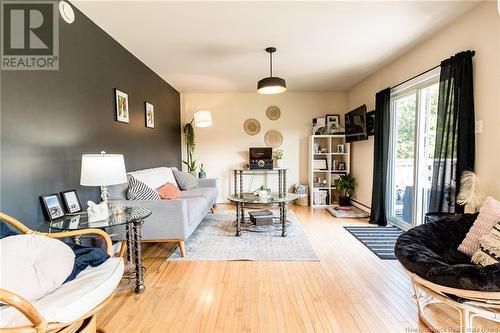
x: 249, y: 199
x: 132, y: 218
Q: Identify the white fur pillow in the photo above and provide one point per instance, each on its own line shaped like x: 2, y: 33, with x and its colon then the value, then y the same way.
x: 488, y: 216
x: 33, y: 265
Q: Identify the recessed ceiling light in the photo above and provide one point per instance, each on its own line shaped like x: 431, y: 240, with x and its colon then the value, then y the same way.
x: 66, y: 12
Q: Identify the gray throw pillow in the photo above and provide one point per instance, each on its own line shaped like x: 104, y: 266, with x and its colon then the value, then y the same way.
x: 185, y: 180
x: 137, y: 190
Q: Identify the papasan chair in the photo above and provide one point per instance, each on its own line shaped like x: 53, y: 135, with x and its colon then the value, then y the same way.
x: 429, y: 255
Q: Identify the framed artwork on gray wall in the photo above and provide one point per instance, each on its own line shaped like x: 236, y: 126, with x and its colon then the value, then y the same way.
x: 122, y: 111
x: 150, y: 115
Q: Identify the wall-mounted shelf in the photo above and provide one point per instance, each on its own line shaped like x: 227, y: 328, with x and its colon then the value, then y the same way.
x: 329, y: 144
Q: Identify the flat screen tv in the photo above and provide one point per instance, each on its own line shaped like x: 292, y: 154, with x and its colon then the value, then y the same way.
x: 355, y: 124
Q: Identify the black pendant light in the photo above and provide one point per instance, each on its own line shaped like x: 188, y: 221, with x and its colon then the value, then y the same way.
x: 271, y: 84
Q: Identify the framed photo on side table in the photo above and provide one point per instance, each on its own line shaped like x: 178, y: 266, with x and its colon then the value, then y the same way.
x: 71, y: 201
x: 52, y: 206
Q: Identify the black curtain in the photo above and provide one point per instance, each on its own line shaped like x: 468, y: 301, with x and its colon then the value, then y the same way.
x: 455, y: 141
x: 380, y: 156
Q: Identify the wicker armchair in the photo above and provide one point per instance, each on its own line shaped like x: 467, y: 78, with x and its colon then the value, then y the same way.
x: 34, y: 312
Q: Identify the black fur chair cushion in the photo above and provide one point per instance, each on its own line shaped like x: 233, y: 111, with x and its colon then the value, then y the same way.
x: 430, y: 251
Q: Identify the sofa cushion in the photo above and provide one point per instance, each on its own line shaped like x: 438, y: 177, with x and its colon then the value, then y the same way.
x: 155, y: 177
x: 168, y: 191
x: 489, y: 215
x: 73, y: 299
x: 34, y: 265
x: 137, y: 190
x: 197, y: 209
x: 209, y: 193
x: 489, y: 249
x: 185, y: 180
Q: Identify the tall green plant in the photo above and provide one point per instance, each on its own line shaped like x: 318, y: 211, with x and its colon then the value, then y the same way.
x: 345, y: 184
x: 190, y: 163
x: 189, y: 134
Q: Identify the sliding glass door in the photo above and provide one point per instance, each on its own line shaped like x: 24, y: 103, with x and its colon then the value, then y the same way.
x: 413, y: 121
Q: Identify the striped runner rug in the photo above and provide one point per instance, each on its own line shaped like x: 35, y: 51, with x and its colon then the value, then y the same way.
x: 380, y: 240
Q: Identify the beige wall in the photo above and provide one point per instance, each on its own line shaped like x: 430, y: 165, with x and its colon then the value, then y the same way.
x: 224, y: 146
x: 477, y: 30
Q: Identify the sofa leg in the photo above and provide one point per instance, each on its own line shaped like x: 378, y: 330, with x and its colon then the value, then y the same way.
x: 213, y: 209
x: 182, y: 248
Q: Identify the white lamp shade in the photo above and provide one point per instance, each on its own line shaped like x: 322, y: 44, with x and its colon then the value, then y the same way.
x: 102, y: 170
x: 203, y: 118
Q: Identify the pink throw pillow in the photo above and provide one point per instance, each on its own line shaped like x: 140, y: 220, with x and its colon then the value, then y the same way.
x: 168, y: 191
x: 488, y: 216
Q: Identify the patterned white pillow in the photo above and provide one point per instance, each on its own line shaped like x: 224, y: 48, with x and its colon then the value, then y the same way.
x: 137, y: 190
x: 489, y: 249
x: 488, y: 216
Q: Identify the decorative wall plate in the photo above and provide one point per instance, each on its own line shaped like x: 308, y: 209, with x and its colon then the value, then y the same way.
x: 273, y: 139
x: 251, y: 126
x: 273, y: 112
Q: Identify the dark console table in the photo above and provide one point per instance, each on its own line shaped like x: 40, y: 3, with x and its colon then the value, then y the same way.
x: 239, y: 173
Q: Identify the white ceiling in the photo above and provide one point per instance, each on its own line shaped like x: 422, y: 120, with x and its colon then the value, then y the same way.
x: 219, y: 46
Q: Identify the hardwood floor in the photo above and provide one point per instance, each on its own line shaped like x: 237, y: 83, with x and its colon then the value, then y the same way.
x: 349, y: 290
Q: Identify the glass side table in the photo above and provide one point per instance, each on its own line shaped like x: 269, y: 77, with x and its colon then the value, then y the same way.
x: 132, y: 218
x: 249, y: 199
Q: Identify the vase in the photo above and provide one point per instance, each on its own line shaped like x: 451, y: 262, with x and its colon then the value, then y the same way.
x: 194, y: 173
x: 279, y: 163
x: 202, y: 174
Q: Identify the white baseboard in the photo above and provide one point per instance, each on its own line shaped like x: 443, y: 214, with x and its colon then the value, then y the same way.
x: 361, y: 205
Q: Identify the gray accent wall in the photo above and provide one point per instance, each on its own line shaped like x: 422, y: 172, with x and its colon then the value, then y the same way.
x: 50, y: 118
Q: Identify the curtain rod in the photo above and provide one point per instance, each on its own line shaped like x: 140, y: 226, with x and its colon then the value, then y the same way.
x: 424, y: 72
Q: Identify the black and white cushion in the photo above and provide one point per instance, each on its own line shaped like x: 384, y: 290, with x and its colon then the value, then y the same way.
x: 137, y: 190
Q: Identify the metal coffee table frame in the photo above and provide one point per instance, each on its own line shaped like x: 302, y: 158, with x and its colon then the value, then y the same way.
x: 249, y: 199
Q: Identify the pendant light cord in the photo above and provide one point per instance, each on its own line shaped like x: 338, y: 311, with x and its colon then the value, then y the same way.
x: 271, y: 64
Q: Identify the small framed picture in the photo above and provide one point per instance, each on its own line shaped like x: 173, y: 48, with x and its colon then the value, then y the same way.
x: 340, y: 149
x: 332, y: 123
x: 150, y: 115
x: 341, y: 166
x: 122, y: 111
x: 71, y: 201
x: 319, y: 126
x: 52, y: 206
x: 320, y: 163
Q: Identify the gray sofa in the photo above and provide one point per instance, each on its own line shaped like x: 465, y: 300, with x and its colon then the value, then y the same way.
x: 171, y: 220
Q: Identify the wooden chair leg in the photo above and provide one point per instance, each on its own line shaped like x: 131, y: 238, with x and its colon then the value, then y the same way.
x: 182, y: 248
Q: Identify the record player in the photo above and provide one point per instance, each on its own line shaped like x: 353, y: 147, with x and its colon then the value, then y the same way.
x: 261, y: 158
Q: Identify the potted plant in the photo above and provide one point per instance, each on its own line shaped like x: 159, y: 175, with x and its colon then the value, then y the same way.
x: 191, y: 164
x: 344, y: 186
x: 202, y: 174
x: 278, y: 156
x: 190, y: 145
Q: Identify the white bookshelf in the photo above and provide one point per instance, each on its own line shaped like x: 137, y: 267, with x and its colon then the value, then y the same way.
x: 322, y: 179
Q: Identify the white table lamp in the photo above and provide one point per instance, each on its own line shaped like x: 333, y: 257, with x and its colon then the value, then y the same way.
x: 103, y: 170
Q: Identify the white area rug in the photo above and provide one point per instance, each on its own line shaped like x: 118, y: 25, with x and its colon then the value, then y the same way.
x: 214, y: 240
